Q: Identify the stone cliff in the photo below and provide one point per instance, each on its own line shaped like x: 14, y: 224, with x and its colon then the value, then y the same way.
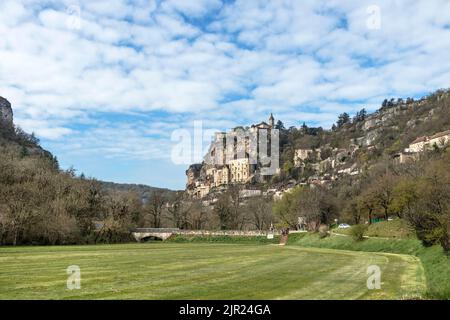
x: 6, y: 113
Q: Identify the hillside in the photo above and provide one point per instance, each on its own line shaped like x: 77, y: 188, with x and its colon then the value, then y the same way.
x: 313, y: 155
x: 145, y: 192
x: 354, y: 144
x: 42, y: 204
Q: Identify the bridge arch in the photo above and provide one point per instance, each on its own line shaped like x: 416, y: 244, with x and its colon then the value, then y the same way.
x: 151, y: 238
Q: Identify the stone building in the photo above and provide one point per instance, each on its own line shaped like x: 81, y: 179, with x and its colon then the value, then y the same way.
x: 421, y: 144
x: 301, y: 155
x: 417, y: 145
x: 230, y: 161
x: 404, y: 157
x: 241, y: 170
x: 440, y: 139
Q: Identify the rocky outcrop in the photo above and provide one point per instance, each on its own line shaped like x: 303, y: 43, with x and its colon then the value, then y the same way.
x: 6, y: 113
x: 14, y: 136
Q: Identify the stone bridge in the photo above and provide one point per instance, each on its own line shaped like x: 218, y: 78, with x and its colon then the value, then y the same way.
x: 164, y: 233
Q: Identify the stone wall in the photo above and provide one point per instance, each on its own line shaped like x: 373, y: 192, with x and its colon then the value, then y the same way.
x: 164, y: 234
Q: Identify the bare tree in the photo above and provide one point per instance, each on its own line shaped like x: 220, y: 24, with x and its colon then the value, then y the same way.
x: 259, y: 213
x: 155, y: 208
x: 383, y: 192
x: 179, y: 210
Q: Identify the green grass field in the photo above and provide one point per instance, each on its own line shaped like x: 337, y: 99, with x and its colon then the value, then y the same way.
x: 205, y: 271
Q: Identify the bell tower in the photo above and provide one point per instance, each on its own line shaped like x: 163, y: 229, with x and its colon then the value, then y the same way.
x: 271, y: 121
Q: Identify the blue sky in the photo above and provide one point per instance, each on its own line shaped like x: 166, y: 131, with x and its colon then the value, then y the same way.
x: 105, y: 84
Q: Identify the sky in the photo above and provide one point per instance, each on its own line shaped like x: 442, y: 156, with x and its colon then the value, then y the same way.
x: 110, y: 86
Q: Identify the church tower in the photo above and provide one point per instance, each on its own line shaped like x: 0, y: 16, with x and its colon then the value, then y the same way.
x: 271, y: 121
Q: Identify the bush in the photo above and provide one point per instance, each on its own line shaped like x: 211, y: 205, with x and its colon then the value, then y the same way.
x: 323, y: 231
x: 357, y: 232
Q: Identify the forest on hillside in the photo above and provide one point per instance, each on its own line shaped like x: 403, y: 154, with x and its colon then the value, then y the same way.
x: 42, y: 204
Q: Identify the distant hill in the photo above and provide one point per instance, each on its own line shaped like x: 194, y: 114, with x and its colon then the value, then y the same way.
x: 145, y: 192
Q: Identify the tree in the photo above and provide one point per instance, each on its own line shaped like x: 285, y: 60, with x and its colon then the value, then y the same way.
x: 304, y: 128
x: 155, y: 208
x: 20, y: 213
x: 366, y: 203
x: 405, y: 196
x: 228, y: 209
x: 223, y: 211
x: 89, y: 206
x: 354, y: 211
x: 259, y: 213
x: 279, y: 125
x: 287, y: 209
x: 383, y: 193
x: 361, y: 115
x: 427, y: 207
x: 117, y: 220
x: 198, y: 216
x: 418, y: 191
x: 357, y: 232
x: 179, y: 210
x: 343, y: 119
x: 41, y: 204
x: 314, y: 205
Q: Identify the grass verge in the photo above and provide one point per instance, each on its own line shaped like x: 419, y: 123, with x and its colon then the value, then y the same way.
x: 398, y: 229
x: 435, y: 263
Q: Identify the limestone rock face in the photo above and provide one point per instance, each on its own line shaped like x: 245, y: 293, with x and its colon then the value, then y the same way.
x: 6, y: 113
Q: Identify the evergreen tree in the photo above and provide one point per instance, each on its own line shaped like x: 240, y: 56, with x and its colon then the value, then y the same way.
x: 304, y: 128
x: 343, y: 119
x: 280, y: 125
x: 361, y: 115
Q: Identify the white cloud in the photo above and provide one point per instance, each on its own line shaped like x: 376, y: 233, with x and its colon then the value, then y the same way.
x: 45, y: 129
x: 191, y: 8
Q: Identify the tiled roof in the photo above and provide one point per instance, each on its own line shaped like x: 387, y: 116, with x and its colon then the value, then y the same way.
x: 420, y: 139
x: 435, y: 136
x: 440, y: 134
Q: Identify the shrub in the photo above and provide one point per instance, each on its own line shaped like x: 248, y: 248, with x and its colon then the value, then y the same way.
x: 357, y: 232
x: 323, y: 231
